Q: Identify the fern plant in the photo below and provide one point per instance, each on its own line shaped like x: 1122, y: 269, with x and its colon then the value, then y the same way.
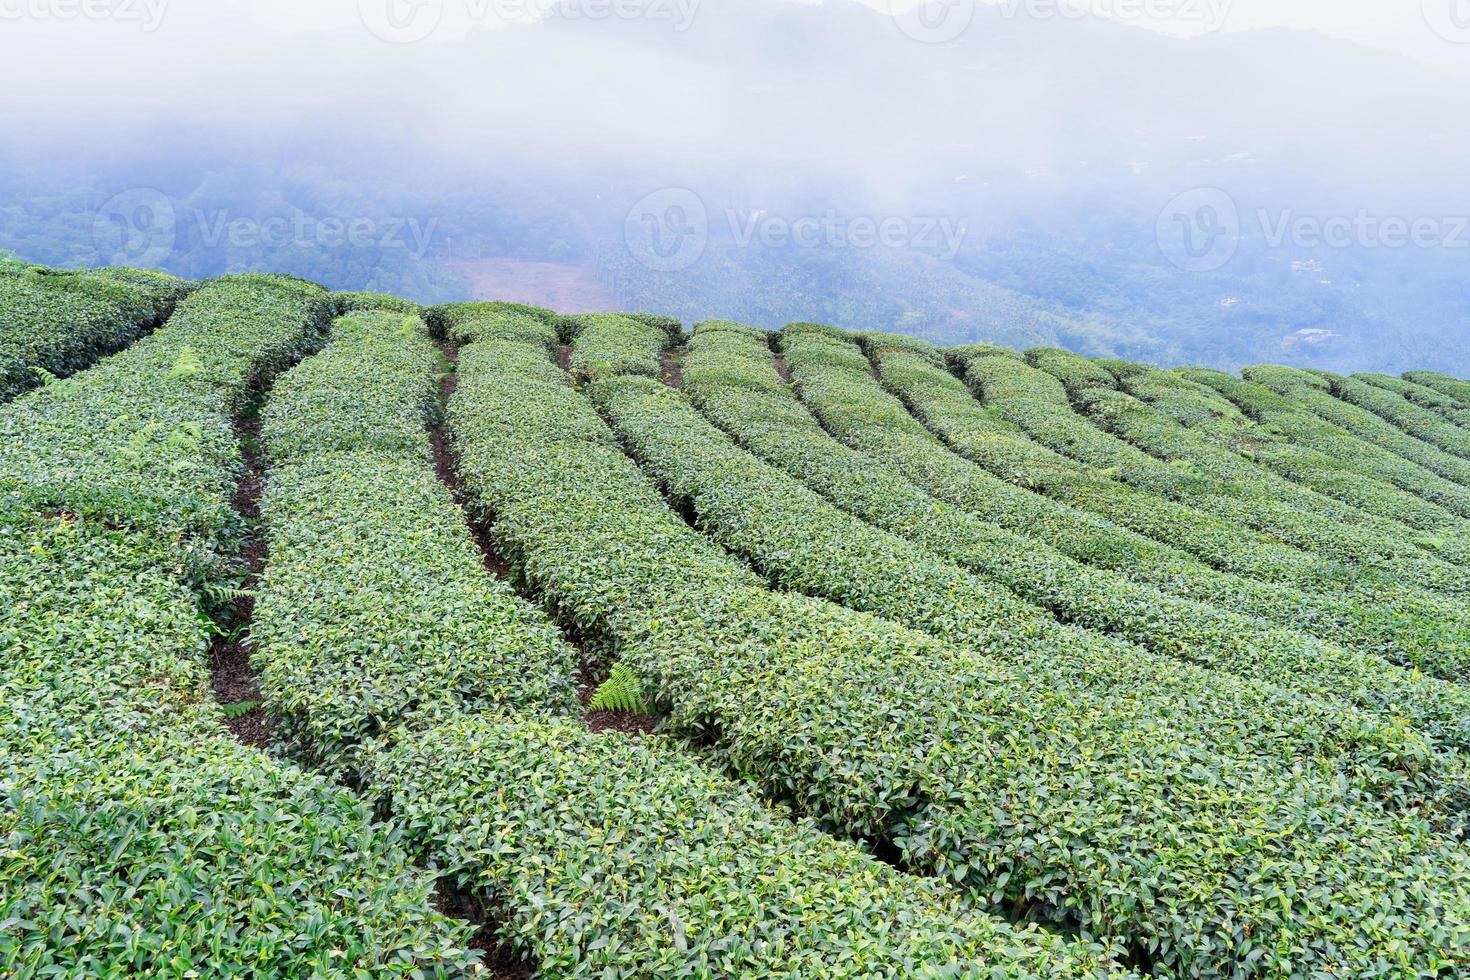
x: 621, y: 692
x: 187, y: 365
x: 239, y: 709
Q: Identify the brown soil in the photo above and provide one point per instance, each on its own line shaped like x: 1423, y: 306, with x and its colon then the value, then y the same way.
x: 624, y: 724
x: 231, y: 675
x: 564, y: 356
x: 446, y: 465
x: 609, y: 721
x: 782, y: 369
x: 673, y: 367
x: 498, y: 959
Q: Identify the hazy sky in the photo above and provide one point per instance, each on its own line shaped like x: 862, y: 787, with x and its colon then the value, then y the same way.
x: 1434, y: 32
x: 1404, y: 26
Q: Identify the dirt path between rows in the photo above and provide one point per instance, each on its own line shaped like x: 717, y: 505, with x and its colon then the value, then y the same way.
x: 673, y: 367
x: 231, y: 676
x: 499, y: 961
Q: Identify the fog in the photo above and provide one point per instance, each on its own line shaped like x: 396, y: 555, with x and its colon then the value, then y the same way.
x: 1027, y: 160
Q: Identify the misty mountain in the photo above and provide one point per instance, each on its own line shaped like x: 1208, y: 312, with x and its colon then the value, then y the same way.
x: 1226, y: 199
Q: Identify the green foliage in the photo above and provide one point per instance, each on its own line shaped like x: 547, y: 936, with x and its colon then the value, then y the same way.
x: 375, y: 608
x: 1298, y: 407
x: 609, y: 557
x: 608, y: 344
x: 1358, y: 607
x: 463, y: 323
x: 611, y: 857
x: 377, y: 391
x: 1100, y: 652
x: 1067, y: 409
x: 54, y: 323
x: 1405, y: 445
x: 886, y: 734
x: 731, y: 378
x: 1422, y: 396
x: 187, y: 365
x: 378, y: 626
x: 137, y: 441
x: 136, y: 835
x: 367, y: 302
x: 621, y: 692
x: 1444, y: 384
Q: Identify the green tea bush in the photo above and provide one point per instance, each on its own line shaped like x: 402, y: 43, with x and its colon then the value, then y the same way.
x: 375, y: 605
x: 1363, y: 517
x: 1378, y: 559
x: 1028, y: 796
x: 54, y: 323
x: 673, y: 327
x: 145, y: 438
x: 377, y: 391
x: 728, y: 373
x: 368, y: 302
x: 834, y: 380
x: 598, y: 855
x: 1446, y: 407
x: 1193, y: 509
x: 1177, y: 416
x: 611, y: 857
x: 1218, y: 431
x: 1331, y: 509
x: 1305, y: 412
x: 138, y: 836
x: 451, y: 321
x: 1364, y: 609
x: 610, y: 344
x: 1444, y: 384
x: 1419, y: 423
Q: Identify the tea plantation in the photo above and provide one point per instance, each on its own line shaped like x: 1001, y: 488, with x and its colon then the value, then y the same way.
x: 341, y: 637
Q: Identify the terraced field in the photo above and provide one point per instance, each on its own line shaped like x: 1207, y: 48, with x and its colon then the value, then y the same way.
x: 347, y: 638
